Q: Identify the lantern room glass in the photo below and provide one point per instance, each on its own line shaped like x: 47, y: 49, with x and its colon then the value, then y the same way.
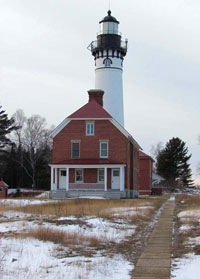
x: 109, y: 28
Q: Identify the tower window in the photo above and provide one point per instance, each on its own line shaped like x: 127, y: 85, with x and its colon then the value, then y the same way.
x: 107, y: 62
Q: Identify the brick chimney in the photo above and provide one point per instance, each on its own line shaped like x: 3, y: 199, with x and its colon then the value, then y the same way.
x: 97, y: 95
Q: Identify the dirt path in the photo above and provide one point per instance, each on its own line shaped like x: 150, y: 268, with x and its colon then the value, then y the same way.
x: 155, y: 260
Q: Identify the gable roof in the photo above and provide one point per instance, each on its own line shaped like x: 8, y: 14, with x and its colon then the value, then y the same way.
x: 143, y: 155
x: 90, y: 110
x: 93, y: 111
x: 3, y: 183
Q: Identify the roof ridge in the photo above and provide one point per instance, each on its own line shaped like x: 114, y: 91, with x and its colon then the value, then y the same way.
x: 90, y: 110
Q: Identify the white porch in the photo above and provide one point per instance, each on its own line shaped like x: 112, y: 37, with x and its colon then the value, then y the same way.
x: 60, y: 178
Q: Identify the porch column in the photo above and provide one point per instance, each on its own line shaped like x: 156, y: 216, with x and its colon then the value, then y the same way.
x: 121, y: 178
x: 105, y: 179
x: 52, y: 184
x: 67, y: 179
x: 56, y: 178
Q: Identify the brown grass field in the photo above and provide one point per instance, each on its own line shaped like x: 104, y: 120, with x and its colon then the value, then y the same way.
x: 88, y: 207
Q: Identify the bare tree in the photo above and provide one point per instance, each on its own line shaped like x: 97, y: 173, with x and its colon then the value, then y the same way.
x: 33, y: 137
x: 155, y: 150
x: 17, y: 137
x: 20, y: 120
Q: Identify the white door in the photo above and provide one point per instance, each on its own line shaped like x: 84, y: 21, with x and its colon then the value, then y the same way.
x: 62, y: 179
x: 115, y: 179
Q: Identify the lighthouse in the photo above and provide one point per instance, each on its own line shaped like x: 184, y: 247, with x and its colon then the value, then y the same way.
x: 109, y: 51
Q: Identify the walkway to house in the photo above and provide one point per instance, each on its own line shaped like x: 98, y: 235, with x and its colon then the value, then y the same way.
x: 155, y: 260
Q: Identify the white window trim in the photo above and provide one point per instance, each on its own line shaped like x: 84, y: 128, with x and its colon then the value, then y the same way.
x: 75, y: 141
x: 82, y: 176
x: 89, y: 122
x: 101, y: 182
x: 104, y: 141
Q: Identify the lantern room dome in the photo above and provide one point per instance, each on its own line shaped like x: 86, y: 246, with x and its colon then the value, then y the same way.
x: 109, y: 18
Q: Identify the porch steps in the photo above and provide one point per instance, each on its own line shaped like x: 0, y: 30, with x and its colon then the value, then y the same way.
x: 62, y: 194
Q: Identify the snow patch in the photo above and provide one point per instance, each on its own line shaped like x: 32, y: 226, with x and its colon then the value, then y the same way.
x: 189, y: 213
x: 31, y: 258
x: 188, y: 268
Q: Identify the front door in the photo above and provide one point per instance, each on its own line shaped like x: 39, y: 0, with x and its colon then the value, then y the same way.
x: 115, y: 179
x: 62, y: 179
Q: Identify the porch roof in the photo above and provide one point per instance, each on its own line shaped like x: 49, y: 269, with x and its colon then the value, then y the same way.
x: 88, y: 162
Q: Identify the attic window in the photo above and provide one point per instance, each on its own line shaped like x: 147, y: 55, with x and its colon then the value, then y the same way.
x: 107, y: 62
x: 89, y: 128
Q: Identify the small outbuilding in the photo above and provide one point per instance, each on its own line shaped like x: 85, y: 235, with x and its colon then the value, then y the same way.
x: 3, y: 189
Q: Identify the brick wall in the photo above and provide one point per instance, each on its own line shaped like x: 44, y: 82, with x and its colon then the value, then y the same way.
x: 89, y: 145
x: 119, y: 149
x: 3, y: 192
x: 145, y: 175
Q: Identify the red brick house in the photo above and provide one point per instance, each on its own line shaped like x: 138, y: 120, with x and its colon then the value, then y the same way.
x: 3, y: 189
x: 93, y: 155
x: 145, y: 174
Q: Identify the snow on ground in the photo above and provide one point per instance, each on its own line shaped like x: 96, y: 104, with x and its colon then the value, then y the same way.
x: 185, y: 228
x: 187, y: 268
x: 12, y: 191
x: 109, y: 231
x: 91, y: 198
x: 44, y: 195
x: 189, y: 213
x: 13, y: 215
x: 31, y: 258
x: 22, y: 202
x: 102, y: 229
x: 17, y: 226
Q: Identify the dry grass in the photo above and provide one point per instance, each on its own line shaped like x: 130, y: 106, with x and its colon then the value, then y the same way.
x: 62, y: 237
x: 188, y: 202
x: 88, y: 207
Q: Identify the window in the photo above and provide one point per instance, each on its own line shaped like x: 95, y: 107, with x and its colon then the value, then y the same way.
x: 104, y: 149
x: 107, y: 62
x: 115, y: 172
x: 75, y: 150
x: 1, y: 189
x: 100, y: 175
x: 63, y: 173
x: 79, y: 175
x: 90, y: 129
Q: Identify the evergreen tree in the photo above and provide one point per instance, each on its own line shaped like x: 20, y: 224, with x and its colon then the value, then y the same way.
x: 172, y: 163
x: 6, y: 127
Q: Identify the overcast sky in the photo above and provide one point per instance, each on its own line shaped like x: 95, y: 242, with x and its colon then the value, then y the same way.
x: 46, y: 69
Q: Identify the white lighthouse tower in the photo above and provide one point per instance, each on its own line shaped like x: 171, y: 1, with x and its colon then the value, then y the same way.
x: 109, y: 51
